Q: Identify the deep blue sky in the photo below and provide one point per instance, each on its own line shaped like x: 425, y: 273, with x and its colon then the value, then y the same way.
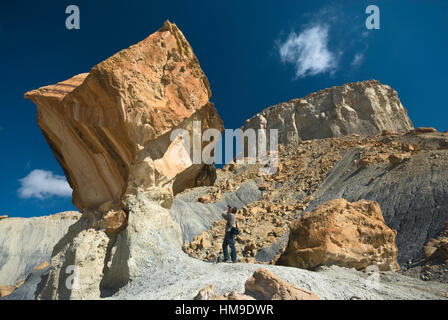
x: 237, y: 44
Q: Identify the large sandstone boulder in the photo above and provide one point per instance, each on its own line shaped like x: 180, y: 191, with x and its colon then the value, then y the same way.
x: 365, y: 108
x: 208, y: 293
x: 352, y: 235
x: 411, y: 194
x: 115, y: 133
x: 264, y: 285
x: 110, y: 129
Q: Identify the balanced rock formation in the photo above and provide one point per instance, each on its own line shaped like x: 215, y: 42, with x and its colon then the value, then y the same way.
x: 26, y: 243
x: 365, y: 108
x: 119, y: 134
x: 111, y: 129
x: 352, y: 235
x: 264, y: 285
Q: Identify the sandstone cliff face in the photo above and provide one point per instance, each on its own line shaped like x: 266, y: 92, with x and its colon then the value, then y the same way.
x: 110, y: 128
x: 364, y: 108
x: 352, y: 235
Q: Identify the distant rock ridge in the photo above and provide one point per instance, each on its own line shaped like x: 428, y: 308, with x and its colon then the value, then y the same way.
x: 365, y: 108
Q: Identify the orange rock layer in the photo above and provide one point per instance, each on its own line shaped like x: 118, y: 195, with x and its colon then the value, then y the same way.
x: 110, y: 128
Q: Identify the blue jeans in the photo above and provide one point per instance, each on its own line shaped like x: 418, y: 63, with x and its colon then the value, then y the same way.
x: 229, y: 241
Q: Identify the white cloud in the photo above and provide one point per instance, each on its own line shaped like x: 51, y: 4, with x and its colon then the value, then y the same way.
x: 357, y: 60
x: 309, y: 52
x: 42, y: 184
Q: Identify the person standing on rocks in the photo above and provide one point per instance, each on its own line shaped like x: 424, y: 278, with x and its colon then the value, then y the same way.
x: 231, y: 231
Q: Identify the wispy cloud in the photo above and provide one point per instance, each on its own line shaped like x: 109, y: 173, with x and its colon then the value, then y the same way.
x: 42, y: 184
x: 357, y: 60
x: 326, y: 41
x: 308, y: 51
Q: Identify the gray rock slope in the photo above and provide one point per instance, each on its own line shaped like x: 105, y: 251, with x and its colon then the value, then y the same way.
x: 159, y: 269
x: 195, y: 218
x: 30, y: 287
x: 166, y: 272
x: 182, y: 277
x: 27, y: 242
x: 413, y: 195
x: 364, y: 108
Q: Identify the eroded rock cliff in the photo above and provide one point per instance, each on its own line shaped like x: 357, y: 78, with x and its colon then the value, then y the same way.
x: 364, y: 108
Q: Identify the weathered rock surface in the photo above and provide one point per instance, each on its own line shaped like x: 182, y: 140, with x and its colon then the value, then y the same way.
x: 6, y: 290
x: 29, y: 289
x: 165, y: 272
x: 195, y: 217
x: 364, y: 108
x: 110, y: 128
x: 264, y: 285
x: 108, y: 261
x: 303, y: 170
x: 149, y: 252
x: 208, y: 293
x: 111, y: 131
x: 434, y: 266
x: 412, y: 195
x: 42, y: 266
x: 77, y: 264
x: 351, y: 235
x: 27, y: 242
x: 181, y: 277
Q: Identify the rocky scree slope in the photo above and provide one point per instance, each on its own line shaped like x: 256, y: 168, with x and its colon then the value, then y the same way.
x: 402, y: 172
x: 434, y: 265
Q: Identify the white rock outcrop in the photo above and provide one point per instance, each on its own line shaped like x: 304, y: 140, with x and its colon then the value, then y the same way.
x: 25, y: 243
x: 364, y: 108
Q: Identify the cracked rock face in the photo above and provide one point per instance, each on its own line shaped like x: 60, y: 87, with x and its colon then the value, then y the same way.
x: 365, y: 108
x: 110, y: 128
